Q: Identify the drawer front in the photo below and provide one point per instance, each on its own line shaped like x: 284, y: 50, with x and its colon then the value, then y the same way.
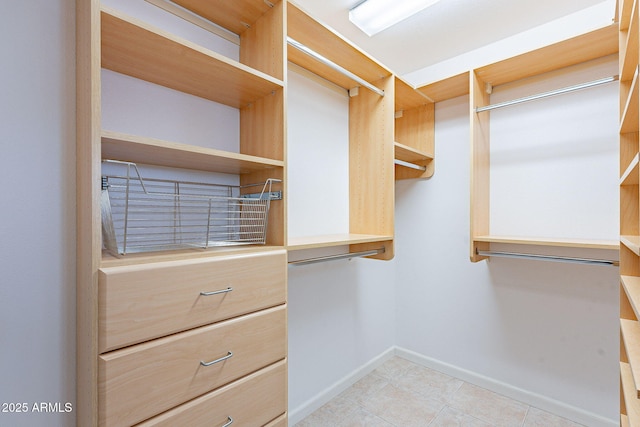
x: 254, y: 400
x: 142, y: 302
x: 141, y: 381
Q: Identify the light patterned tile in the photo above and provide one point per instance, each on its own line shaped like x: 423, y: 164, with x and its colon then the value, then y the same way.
x: 363, y: 418
x: 341, y: 407
x: 428, y: 382
x: 320, y: 418
x: 394, y: 368
x: 539, y: 418
x: 402, y: 408
x: 488, y: 406
x: 362, y: 390
x: 450, y: 417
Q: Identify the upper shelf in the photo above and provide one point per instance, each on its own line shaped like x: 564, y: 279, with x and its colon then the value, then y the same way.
x: 576, y: 50
x: 448, y: 88
x: 236, y: 16
x: 407, y: 97
x: 118, y: 146
x: 331, y: 45
x: 585, y: 47
x: 134, y: 48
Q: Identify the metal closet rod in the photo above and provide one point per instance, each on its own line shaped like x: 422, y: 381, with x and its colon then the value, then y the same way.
x: 552, y: 258
x: 334, y: 66
x: 548, y: 94
x: 337, y: 257
x: 410, y: 165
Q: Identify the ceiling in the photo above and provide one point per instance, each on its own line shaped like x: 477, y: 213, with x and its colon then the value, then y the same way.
x: 445, y: 30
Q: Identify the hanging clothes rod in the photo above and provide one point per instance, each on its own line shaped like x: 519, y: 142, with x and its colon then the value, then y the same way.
x: 410, y: 165
x: 547, y: 94
x: 334, y: 66
x: 337, y: 257
x: 552, y: 258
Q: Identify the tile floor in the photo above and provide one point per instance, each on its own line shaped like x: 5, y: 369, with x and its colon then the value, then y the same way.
x: 403, y: 394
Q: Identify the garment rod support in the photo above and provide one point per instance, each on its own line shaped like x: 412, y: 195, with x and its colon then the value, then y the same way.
x: 334, y: 66
x: 410, y: 165
x: 552, y: 258
x: 337, y: 257
x: 547, y: 94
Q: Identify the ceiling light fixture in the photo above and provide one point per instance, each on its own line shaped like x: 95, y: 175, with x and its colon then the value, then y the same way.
x: 373, y: 16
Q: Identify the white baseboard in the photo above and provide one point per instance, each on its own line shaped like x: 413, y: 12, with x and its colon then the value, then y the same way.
x: 533, y: 399
x: 316, y: 402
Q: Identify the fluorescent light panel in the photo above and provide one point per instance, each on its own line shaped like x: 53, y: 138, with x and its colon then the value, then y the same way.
x: 373, y: 16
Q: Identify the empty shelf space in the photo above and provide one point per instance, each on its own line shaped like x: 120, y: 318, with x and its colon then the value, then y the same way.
x: 630, y: 394
x: 118, y: 146
x: 631, y: 335
x: 630, y: 175
x: 325, y: 241
x: 629, y: 120
x: 632, y: 243
x: 566, y: 243
x: 631, y: 286
x: 131, y: 47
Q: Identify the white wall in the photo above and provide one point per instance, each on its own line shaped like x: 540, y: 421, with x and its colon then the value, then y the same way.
x: 546, y: 328
x: 341, y: 313
x: 37, y: 227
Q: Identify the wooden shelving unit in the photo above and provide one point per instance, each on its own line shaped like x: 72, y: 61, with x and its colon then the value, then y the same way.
x: 580, y: 49
x: 414, y: 132
x: 255, y: 86
x: 629, y: 214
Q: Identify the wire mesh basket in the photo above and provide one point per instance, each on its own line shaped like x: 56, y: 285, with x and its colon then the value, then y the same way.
x: 157, y: 214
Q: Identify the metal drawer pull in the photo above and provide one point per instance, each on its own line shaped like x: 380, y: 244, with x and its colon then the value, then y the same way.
x: 213, y: 362
x: 228, y: 422
x: 222, y: 291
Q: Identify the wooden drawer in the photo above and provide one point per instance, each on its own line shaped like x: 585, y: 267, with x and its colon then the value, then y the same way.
x: 144, y: 380
x: 142, y: 302
x: 252, y: 401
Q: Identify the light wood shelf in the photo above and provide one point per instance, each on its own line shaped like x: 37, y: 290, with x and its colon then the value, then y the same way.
x: 629, y: 118
x: 327, y: 42
x: 630, y: 175
x: 134, y: 48
x: 593, y: 45
x: 624, y: 421
x: 451, y: 87
x: 630, y: 330
x: 330, y: 240
x: 553, y: 242
x: 632, y: 403
x: 632, y: 243
x: 236, y: 16
x: 119, y: 146
x: 631, y: 287
x: 413, y: 131
x: 625, y: 12
x: 629, y: 39
x: 410, y: 154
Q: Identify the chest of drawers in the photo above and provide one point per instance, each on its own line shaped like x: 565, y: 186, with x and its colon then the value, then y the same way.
x: 193, y: 339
